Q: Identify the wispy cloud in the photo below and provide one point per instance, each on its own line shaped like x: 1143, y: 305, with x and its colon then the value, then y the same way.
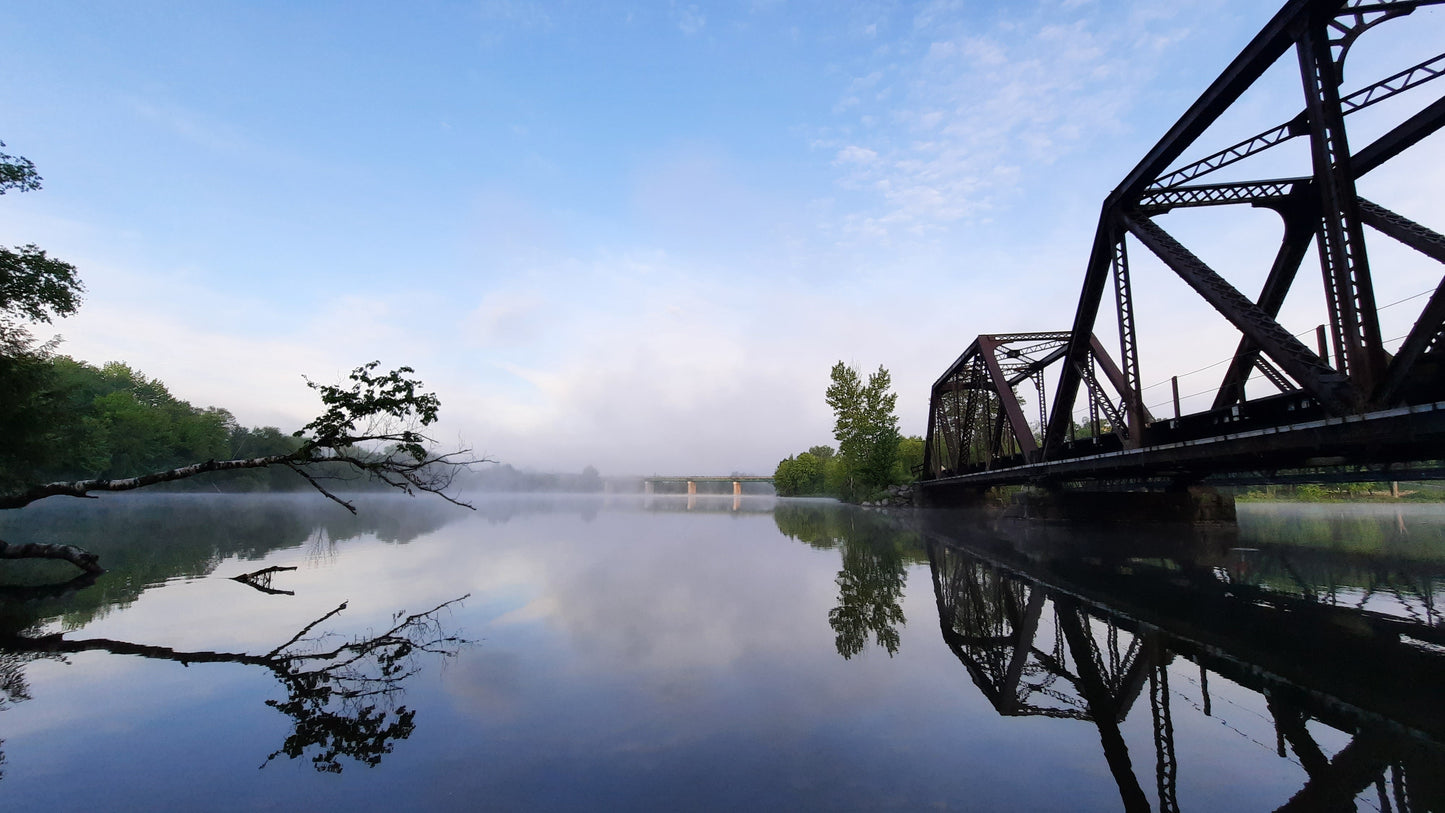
x: 943, y: 124
x: 690, y: 19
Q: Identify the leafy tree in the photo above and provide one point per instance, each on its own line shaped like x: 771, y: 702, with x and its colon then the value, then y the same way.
x: 799, y: 476
x: 34, y: 288
x: 865, y: 427
x: 823, y: 453
x: 129, y: 432
x: 908, y: 458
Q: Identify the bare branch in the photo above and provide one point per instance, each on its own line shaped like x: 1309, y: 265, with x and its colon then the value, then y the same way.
x: 296, y: 467
x: 298, y: 636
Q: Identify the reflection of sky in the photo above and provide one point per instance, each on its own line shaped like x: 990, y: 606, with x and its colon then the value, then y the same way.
x: 623, y: 660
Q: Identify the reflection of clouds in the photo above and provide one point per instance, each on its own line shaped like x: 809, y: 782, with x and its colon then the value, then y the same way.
x: 692, y: 596
x: 488, y: 684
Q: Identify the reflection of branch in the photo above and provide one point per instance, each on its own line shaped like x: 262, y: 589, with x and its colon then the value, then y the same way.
x: 261, y: 580
x: 12, y: 594
x: 340, y: 699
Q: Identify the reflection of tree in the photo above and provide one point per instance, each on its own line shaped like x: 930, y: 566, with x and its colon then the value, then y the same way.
x: 870, y: 586
x: 147, y: 539
x: 876, y: 553
x: 815, y: 524
x: 341, y: 696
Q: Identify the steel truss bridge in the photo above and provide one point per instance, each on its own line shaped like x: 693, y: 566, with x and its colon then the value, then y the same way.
x: 1055, y: 408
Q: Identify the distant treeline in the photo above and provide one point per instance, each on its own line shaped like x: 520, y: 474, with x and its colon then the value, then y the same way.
x: 506, y: 478
x: 71, y: 420
x: 1416, y: 491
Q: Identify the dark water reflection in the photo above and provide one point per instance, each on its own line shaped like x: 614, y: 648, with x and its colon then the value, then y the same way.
x: 675, y: 653
x: 1061, y: 626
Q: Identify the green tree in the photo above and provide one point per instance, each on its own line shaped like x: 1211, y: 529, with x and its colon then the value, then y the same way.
x: 134, y: 431
x: 34, y: 288
x: 908, y: 459
x: 866, y: 429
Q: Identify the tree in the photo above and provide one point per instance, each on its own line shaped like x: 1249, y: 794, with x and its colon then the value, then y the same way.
x: 908, y: 459
x: 34, y: 288
x: 371, y: 428
x: 865, y: 427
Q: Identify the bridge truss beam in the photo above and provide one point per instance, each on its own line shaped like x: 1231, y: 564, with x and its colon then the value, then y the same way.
x: 977, y: 419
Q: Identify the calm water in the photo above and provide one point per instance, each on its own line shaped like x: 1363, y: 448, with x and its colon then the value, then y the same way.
x: 750, y: 655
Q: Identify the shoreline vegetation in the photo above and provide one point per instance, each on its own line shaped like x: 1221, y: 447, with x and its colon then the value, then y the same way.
x: 872, y: 456
x: 1419, y: 491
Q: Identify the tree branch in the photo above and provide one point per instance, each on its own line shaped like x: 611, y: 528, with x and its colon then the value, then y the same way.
x: 372, y: 428
x: 35, y: 550
x: 83, y: 488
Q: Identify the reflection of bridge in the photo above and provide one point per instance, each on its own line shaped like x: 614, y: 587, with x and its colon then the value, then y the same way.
x: 649, y: 484
x: 1084, y: 639
x: 1357, y: 405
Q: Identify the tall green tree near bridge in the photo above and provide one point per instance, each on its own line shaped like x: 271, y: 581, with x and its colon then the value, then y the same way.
x: 865, y: 427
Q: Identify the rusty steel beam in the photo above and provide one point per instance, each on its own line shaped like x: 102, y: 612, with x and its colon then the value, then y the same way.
x: 1298, y: 232
x: 1332, y: 389
x: 1350, y: 294
x: 1428, y: 329
x: 1257, y: 193
x: 1008, y: 400
x: 1409, y: 133
x: 1386, y: 88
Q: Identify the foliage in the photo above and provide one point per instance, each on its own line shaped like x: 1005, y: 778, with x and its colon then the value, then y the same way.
x: 35, y: 286
x: 17, y: 173
x: 802, y: 475
x: 871, y: 455
x: 908, y: 459
x: 865, y: 427
x: 875, y: 558
x: 116, y: 430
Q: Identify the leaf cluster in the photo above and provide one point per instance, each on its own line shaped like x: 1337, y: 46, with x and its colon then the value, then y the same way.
x: 865, y: 427
x: 18, y: 173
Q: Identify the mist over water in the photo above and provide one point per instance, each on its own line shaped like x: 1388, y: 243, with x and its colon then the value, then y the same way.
x: 667, y: 652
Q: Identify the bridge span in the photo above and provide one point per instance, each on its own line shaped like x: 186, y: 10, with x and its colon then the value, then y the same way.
x: 649, y: 484
x: 1347, y: 401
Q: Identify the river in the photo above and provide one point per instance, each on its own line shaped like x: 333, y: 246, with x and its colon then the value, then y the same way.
x: 651, y: 653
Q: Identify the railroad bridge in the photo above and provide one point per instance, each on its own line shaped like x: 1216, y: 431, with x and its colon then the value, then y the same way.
x: 1311, y: 390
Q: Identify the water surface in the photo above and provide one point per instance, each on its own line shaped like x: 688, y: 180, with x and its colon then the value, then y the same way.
x: 720, y: 654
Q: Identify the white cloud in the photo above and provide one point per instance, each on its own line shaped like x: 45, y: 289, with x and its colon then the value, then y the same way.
x: 969, y: 97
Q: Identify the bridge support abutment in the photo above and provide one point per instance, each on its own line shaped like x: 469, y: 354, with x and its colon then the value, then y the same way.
x: 1195, y: 504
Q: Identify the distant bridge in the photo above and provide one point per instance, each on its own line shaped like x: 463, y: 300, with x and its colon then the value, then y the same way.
x: 1353, y: 407
x: 649, y: 483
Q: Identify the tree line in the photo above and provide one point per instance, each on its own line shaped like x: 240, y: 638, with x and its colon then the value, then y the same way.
x: 74, y: 420
x: 70, y: 429
x: 871, y: 455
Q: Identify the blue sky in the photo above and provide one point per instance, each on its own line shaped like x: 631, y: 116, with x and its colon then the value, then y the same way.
x: 628, y: 235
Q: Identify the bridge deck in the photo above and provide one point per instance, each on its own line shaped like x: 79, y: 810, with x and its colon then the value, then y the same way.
x: 1360, y: 447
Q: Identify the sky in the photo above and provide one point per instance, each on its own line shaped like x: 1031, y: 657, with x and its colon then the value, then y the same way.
x: 635, y: 236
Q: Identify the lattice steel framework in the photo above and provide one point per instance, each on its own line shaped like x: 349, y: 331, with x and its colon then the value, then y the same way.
x: 976, y: 421
x: 977, y: 417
